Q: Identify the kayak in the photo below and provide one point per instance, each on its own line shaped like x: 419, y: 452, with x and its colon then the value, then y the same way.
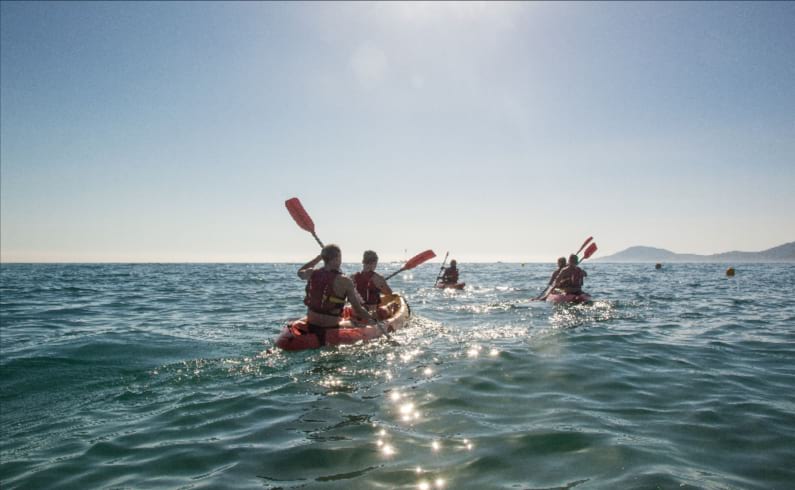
x: 296, y: 335
x: 457, y: 285
x: 569, y: 298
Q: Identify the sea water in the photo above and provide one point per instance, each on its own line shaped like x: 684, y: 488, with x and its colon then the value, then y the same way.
x: 165, y: 376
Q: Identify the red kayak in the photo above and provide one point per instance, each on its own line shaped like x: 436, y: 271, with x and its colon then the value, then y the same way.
x: 296, y: 334
x: 569, y: 298
x: 455, y: 285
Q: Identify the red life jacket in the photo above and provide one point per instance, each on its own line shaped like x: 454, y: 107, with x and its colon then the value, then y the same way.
x: 320, y: 296
x: 367, y: 290
x: 450, y: 276
x: 573, y: 277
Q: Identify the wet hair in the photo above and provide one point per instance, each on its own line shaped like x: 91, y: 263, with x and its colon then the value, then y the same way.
x: 369, y: 257
x: 561, y: 261
x: 330, y: 252
x: 573, y: 259
x: 453, y: 263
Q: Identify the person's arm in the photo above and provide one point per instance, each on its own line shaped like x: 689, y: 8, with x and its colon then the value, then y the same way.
x: 562, y: 276
x: 381, y: 284
x: 353, y: 296
x: 305, y: 272
x: 549, y: 288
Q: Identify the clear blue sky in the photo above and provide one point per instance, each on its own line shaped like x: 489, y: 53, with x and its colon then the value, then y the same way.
x: 175, y: 131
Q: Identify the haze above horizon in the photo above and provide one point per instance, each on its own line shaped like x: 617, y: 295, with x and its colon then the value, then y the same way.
x: 174, y: 132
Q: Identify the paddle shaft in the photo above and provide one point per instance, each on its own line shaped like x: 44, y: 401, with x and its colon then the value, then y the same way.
x: 390, y: 276
x: 317, y: 239
x: 441, y: 269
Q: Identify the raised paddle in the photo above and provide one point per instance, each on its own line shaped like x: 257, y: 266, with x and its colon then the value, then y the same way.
x: 441, y: 269
x: 586, y: 242
x: 301, y: 217
x: 589, y: 251
x: 414, y: 262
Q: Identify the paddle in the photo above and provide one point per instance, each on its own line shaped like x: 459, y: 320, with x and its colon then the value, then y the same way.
x: 441, y: 269
x: 414, y: 262
x: 586, y: 242
x: 301, y: 217
x: 589, y: 251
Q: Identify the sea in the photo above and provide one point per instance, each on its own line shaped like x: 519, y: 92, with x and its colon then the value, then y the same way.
x: 166, y: 376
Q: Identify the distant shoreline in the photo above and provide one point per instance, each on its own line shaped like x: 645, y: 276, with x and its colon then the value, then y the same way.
x: 642, y: 254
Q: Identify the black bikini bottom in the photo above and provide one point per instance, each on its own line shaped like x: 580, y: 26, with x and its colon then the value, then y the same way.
x: 320, y: 332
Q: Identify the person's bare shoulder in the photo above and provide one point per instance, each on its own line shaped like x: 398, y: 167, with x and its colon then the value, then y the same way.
x: 344, y: 283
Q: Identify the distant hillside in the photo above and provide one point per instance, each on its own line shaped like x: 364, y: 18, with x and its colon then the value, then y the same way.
x: 782, y: 253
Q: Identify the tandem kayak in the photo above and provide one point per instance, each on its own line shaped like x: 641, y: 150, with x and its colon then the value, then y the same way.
x: 296, y: 335
x: 456, y: 285
x: 568, y: 298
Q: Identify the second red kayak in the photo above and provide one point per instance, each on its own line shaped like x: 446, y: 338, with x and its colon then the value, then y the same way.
x: 457, y: 285
x: 569, y: 298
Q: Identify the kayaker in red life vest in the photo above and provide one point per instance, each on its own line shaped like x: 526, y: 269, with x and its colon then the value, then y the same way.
x: 326, y: 291
x: 450, y: 275
x: 548, y: 289
x: 369, y: 284
x: 571, y: 278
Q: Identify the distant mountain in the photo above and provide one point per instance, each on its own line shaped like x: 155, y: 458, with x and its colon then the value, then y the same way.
x: 782, y: 253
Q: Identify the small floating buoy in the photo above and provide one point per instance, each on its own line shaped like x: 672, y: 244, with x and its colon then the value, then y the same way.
x: 730, y: 272
x: 658, y: 266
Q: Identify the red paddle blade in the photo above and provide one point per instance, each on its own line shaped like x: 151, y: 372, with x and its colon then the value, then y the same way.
x: 586, y: 242
x: 589, y: 251
x: 419, y: 259
x: 299, y: 214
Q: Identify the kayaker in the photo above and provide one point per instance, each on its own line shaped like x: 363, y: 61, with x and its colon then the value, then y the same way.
x: 571, y: 278
x: 450, y: 275
x: 327, y: 289
x: 548, y: 289
x: 369, y: 284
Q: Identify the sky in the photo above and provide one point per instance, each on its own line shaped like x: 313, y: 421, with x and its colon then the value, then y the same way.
x: 174, y: 132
